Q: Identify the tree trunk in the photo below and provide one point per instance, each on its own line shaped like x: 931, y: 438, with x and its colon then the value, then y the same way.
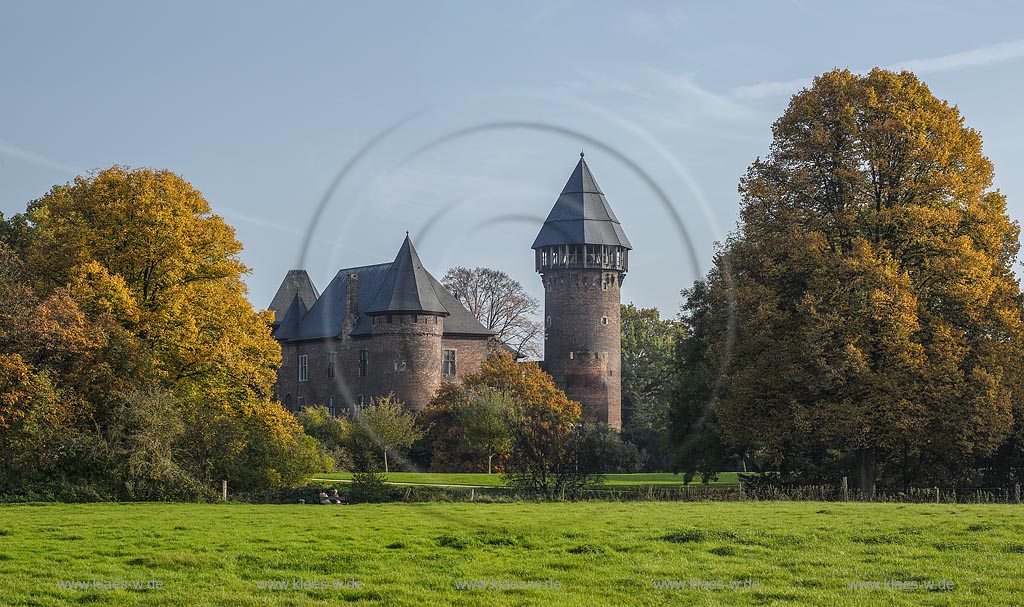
x: 385, y: 461
x: 866, y: 465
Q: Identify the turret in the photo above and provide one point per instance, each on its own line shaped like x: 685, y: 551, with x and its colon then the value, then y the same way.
x: 407, y: 320
x: 582, y: 255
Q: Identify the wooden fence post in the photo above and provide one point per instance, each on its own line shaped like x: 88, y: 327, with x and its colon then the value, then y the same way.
x: 936, y: 495
x: 846, y: 489
x: 1016, y: 492
x: 224, y: 491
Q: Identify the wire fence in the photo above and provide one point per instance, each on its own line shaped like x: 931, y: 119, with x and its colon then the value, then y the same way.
x: 818, y: 493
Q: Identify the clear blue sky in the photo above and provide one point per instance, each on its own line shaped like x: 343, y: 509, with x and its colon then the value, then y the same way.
x: 260, y: 105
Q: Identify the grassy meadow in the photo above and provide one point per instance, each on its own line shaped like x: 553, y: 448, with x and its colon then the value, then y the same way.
x: 583, y: 553
x: 658, y: 479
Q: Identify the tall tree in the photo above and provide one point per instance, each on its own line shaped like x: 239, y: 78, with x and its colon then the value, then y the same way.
x: 866, y: 306
x: 648, y: 371
x: 695, y: 431
x: 500, y: 303
x: 648, y: 343
x: 129, y: 285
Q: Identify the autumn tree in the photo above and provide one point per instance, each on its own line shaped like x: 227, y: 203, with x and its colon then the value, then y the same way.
x: 543, y: 448
x: 466, y: 428
x: 536, y: 415
x: 698, y: 446
x: 865, y: 313
x: 130, y: 285
x: 443, y: 446
x: 501, y: 304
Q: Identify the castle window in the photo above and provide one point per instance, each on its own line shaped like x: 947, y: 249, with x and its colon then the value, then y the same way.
x: 389, y: 319
x: 548, y: 322
x: 604, y: 320
x: 448, y: 363
x: 301, y: 403
x: 364, y: 360
x: 303, y: 367
x: 330, y: 405
x: 361, y: 401
x: 332, y: 365
x: 415, y: 319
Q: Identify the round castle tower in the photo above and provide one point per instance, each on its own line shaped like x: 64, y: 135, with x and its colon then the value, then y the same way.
x: 407, y: 326
x: 582, y: 255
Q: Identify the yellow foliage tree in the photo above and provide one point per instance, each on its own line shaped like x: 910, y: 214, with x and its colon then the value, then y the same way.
x: 866, y: 308
x: 136, y: 284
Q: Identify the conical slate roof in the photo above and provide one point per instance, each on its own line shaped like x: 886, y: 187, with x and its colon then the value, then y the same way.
x: 407, y: 286
x: 581, y: 215
x: 296, y: 283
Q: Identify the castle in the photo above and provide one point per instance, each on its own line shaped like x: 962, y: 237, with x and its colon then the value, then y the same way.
x: 392, y: 327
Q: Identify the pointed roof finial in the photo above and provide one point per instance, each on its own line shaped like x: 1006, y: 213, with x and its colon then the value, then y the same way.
x: 581, y: 152
x: 407, y: 286
x: 581, y: 215
x: 407, y: 233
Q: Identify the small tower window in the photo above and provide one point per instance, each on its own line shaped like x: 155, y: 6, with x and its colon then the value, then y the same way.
x: 361, y: 401
x: 547, y: 322
x: 332, y: 365
x: 301, y: 403
x: 303, y: 367
x: 330, y: 405
x: 415, y: 319
x: 364, y: 360
x: 604, y: 320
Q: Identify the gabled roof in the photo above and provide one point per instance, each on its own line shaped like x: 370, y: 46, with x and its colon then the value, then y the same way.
x: 581, y: 215
x: 326, y: 317
x: 296, y: 283
x: 407, y: 286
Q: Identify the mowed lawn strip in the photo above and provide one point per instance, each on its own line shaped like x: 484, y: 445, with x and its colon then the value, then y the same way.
x: 659, y: 479
x: 595, y: 552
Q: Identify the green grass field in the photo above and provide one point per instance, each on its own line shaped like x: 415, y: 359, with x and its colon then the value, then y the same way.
x: 661, y: 479
x: 585, y: 553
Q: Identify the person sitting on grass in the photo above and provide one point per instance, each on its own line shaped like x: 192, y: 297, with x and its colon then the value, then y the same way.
x: 335, y: 498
